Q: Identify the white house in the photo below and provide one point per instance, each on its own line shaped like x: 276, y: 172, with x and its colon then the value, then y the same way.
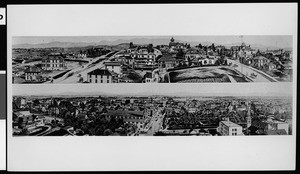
x: 99, y: 76
x: 113, y: 67
x: 228, y: 128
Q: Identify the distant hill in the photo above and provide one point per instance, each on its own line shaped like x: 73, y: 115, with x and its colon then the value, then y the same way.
x: 138, y: 41
x: 156, y: 93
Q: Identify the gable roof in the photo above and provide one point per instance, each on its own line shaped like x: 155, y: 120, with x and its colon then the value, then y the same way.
x: 260, y: 58
x: 99, y: 72
x: 167, y: 58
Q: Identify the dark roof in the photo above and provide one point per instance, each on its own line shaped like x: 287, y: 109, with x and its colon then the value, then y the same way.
x: 260, y: 57
x: 167, y: 58
x: 32, y: 69
x: 99, y: 72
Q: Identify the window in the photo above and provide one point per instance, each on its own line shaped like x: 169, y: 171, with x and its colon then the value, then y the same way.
x: 96, y: 76
x: 96, y: 81
x: 101, y: 81
x: 107, y: 80
x: 90, y: 80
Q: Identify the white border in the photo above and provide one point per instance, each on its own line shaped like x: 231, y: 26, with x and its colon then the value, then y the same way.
x: 151, y: 153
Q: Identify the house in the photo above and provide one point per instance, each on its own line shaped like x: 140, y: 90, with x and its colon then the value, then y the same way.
x: 287, y: 66
x: 259, y: 61
x: 20, y: 102
x: 22, y: 116
x: 168, y: 61
x: 228, y: 128
x: 33, y: 73
x: 81, y: 55
x: 209, y: 60
x: 113, y: 66
x: 132, y: 117
x: 192, y: 54
x: 175, y: 45
x: 128, y: 60
x: 272, y: 66
x: 266, y: 125
x: 99, y: 76
x: 53, y: 62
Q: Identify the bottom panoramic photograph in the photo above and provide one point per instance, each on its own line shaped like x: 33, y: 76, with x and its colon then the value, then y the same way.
x: 178, y: 113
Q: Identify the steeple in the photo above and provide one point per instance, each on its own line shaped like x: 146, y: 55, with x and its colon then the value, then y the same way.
x: 249, y: 116
x: 172, y: 39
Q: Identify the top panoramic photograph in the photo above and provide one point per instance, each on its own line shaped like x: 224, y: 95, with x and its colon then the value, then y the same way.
x: 151, y: 59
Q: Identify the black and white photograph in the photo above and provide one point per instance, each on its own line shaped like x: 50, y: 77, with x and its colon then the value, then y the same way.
x: 103, y: 112
x: 150, y: 87
x: 152, y: 59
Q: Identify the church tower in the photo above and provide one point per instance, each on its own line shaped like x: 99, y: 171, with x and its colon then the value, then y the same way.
x: 172, y: 39
x: 249, y: 116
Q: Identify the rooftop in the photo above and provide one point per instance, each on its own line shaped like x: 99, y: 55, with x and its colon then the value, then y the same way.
x: 99, y: 72
x: 23, y: 113
x: 260, y: 57
x: 167, y: 58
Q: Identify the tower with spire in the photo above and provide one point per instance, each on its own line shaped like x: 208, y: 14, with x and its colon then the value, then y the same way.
x: 248, y: 115
x: 172, y: 39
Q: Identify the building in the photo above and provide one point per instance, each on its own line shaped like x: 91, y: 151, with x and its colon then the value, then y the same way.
x: 228, y: 128
x: 175, y: 45
x: 207, y: 61
x: 270, y: 124
x: 53, y: 62
x: 20, y: 102
x: 99, y: 76
x: 259, y: 61
x: 33, y: 73
x: 272, y: 66
x: 113, y: 66
x: 167, y: 61
x: 132, y: 117
x: 277, y: 125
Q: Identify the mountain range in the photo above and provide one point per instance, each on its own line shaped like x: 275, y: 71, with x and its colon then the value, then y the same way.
x: 156, y: 93
x: 139, y: 41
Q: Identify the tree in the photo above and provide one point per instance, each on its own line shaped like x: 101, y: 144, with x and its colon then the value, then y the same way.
x: 200, y: 46
x: 180, y: 53
x: 150, y: 48
x: 36, y: 102
x: 213, y: 47
x: 82, y: 106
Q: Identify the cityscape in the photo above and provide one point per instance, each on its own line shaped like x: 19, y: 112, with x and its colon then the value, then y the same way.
x: 151, y: 115
x: 153, y: 60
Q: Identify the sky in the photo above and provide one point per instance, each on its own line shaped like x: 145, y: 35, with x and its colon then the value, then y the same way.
x: 249, y: 89
x: 270, y: 40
